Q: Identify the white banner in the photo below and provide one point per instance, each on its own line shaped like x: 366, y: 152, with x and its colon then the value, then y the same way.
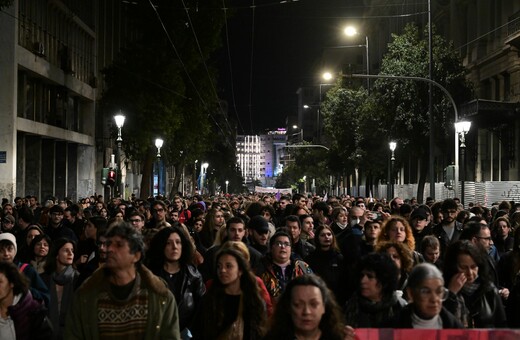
x: 262, y: 190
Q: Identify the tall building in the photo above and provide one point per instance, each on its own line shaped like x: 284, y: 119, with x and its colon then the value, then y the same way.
x: 47, y: 98
x: 259, y: 157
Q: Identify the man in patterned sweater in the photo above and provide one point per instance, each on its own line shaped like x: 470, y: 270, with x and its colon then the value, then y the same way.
x: 123, y: 299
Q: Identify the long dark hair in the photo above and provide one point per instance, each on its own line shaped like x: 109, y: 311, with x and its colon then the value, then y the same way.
x: 51, y: 262
x: 155, y: 256
x: 331, y: 324
x: 253, y: 305
x: 465, y: 247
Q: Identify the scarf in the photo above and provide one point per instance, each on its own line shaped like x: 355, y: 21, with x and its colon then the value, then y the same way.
x: 57, y: 313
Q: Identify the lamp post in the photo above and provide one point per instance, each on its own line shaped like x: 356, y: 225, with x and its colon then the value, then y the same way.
x: 120, y: 121
x: 462, y: 128
x: 203, y: 169
x: 392, y: 146
x: 227, y: 185
x: 158, y: 144
x: 351, y: 31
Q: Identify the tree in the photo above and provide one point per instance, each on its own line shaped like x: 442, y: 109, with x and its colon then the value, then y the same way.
x: 166, y: 87
x: 360, y: 126
x: 406, y: 102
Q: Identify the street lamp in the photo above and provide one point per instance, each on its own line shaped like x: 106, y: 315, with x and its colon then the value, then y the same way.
x: 462, y: 128
x: 351, y: 31
x: 158, y: 144
x: 194, y: 176
x: 227, y: 184
x: 120, y: 121
x: 203, y: 169
x: 392, y: 146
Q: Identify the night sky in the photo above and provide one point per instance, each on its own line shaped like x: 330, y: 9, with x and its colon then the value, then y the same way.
x: 288, y: 42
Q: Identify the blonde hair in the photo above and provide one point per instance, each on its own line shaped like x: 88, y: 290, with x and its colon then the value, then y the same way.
x: 239, y: 246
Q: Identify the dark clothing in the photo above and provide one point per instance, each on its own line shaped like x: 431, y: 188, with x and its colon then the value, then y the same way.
x: 481, y: 309
x: 37, y: 287
x: 188, y: 289
x: 78, y: 227
x: 61, y: 231
x: 363, y: 313
x: 506, y: 269
x: 303, y: 248
x: 329, y: 265
x: 503, y: 246
x: 418, y: 236
x: 448, y: 319
x: 29, y: 318
x: 444, y: 240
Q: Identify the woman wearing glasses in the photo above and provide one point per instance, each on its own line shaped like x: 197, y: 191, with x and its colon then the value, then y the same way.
x: 472, y: 298
x: 426, y: 293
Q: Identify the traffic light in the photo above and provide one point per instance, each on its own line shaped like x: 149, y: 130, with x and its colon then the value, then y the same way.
x: 449, y: 176
x: 111, y: 177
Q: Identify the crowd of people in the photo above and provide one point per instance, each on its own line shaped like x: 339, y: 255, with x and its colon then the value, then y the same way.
x: 254, y: 267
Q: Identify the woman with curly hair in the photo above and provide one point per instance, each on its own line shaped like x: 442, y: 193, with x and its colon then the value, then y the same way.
x: 473, y: 298
x: 397, y: 229
x: 402, y: 258
x: 307, y: 310
x: 170, y: 256
x: 232, y: 307
x: 376, y: 303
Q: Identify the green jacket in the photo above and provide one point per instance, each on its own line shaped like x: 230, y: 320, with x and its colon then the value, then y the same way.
x: 163, y: 318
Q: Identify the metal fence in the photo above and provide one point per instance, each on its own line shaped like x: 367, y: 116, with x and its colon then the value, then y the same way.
x: 483, y: 193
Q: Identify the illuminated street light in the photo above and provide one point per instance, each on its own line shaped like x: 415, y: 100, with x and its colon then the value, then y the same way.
x: 327, y: 75
x: 120, y: 121
x: 392, y: 145
x: 462, y: 128
x: 227, y: 185
x: 351, y: 31
x: 158, y: 144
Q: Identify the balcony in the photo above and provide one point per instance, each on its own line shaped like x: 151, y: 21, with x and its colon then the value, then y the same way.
x: 513, y: 30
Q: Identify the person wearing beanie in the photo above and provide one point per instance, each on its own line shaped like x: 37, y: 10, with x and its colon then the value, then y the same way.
x: 420, y: 226
x: 8, y: 250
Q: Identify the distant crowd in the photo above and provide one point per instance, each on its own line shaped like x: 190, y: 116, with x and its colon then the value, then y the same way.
x: 254, y: 267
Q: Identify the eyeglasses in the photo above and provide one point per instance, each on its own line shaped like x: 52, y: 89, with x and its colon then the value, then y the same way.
x: 282, y: 244
x: 484, y: 238
x: 135, y: 220
x: 441, y: 292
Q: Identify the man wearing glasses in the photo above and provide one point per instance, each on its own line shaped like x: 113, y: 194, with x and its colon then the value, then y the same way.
x: 137, y: 221
x: 159, y: 213
x: 56, y: 228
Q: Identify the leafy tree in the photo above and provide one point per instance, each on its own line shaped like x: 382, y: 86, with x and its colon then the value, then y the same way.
x: 360, y: 126
x: 167, y: 88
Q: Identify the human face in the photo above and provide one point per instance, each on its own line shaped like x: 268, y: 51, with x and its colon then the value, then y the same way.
x: 394, y: 255
x: 137, y: 222
x: 325, y: 239
x: 370, y: 287
x: 218, y: 219
x: 227, y: 270
x: 431, y: 254
x: 174, y: 215
x: 307, y: 309
x: 372, y: 231
x: 8, y: 209
x: 32, y: 201
x: 281, y: 250
x: 119, y: 216
x: 31, y: 235
x: 294, y: 228
x: 7, y: 253
x: 178, y: 204
x: 419, y: 224
x: 467, y: 265
x: 56, y: 218
x: 236, y: 232
x: 397, y: 232
x: 308, y: 224
x: 449, y: 215
x: 7, y: 225
x: 173, y: 249
x: 103, y: 213
x: 427, y: 298
x: 65, y: 255
x: 118, y: 254
x: 41, y: 248
x: 484, y: 238
x: 90, y: 231
x: 159, y: 212
x: 102, y: 248
x: 260, y: 238
x: 197, y: 226
x: 68, y: 216
x: 6, y: 288
x: 342, y: 218
x: 302, y: 202
x: 266, y: 214
x: 282, y: 204
x: 99, y: 206
x: 503, y: 229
